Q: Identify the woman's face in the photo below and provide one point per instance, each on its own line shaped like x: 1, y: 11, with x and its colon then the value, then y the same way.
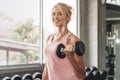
x: 58, y: 17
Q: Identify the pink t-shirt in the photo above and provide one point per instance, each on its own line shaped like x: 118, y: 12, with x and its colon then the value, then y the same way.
x: 58, y: 69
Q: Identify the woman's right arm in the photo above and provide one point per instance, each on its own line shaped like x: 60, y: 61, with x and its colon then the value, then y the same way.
x: 45, y: 73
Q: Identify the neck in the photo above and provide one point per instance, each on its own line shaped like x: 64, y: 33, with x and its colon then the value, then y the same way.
x: 62, y: 31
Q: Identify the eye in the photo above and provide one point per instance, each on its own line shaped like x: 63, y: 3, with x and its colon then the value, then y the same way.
x: 59, y: 13
x: 53, y: 14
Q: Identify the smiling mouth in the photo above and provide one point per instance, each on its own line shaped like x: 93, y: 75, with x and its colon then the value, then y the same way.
x: 56, y: 21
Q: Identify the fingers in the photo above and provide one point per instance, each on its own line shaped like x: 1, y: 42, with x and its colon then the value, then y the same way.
x: 68, y: 49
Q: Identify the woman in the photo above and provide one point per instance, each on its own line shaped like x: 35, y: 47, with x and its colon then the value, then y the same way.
x: 72, y: 66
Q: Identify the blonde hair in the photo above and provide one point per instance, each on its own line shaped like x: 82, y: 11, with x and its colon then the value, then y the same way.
x: 66, y: 8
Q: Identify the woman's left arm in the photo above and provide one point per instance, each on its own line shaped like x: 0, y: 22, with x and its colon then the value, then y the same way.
x: 76, y: 61
x: 80, y: 62
x: 78, y: 65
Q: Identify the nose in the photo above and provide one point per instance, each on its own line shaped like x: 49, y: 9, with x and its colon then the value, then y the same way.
x: 55, y: 16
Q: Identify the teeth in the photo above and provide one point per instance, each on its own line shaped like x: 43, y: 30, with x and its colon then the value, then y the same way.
x: 56, y: 20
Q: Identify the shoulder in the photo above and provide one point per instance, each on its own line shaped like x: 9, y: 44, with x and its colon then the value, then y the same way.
x: 74, y: 38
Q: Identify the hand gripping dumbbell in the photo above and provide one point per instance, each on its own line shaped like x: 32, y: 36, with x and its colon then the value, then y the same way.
x: 79, y: 49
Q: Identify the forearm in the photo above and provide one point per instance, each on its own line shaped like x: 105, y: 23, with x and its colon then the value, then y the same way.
x: 78, y: 68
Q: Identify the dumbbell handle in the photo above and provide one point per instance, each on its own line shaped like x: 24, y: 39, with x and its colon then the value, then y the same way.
x: 62, y: 50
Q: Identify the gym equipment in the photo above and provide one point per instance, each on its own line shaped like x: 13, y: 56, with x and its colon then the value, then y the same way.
x: 87, y: 69
x: 92, y: 73
x: 103, y: 75
x: 79, y: 49
x: 111, y: 71
x: 96, y: 75
x: 110, y: 63
x: 37, y: 76
x: 6, y: 78
x: 27, y: 76
x: 93, y: 68
x: 89, y: 76
x: 16, y: 77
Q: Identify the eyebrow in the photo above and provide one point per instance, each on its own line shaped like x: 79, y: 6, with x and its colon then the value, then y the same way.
x: 57, y: 12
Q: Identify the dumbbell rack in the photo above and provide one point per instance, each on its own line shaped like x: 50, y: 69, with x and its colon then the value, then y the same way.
x: 110, y: 55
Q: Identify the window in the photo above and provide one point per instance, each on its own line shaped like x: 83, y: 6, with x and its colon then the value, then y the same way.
x: 25, y: 25
x: 19, y: 37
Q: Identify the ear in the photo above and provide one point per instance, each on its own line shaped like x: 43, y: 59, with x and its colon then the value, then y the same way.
x: 68, y: 18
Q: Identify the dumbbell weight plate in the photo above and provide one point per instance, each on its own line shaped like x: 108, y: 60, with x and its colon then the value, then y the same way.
x: 79, y: 48
x: 58, y: 51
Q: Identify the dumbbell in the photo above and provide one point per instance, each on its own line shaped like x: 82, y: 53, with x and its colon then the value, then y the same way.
x: 89, y: 76
x: 79, y: 49
x: 96, y: 75
x: 16, y: 77
x: 103, y: 75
